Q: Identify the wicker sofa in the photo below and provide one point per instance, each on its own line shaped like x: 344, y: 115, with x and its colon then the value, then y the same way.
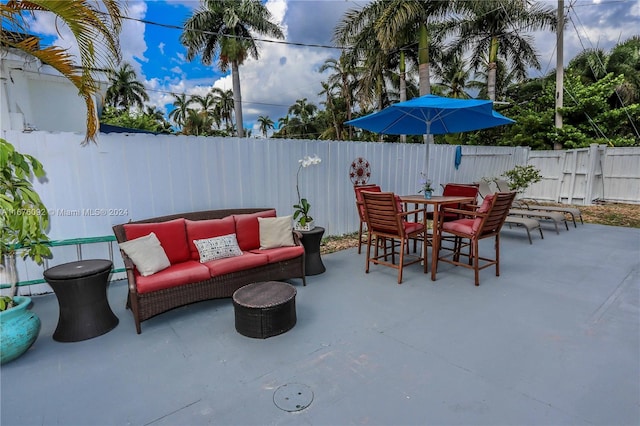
x: 187, y: 280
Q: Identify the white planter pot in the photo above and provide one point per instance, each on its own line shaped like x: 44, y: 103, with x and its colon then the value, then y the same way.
x: 307, y: 227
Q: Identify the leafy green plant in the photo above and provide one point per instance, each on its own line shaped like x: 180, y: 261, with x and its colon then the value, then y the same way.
x: 23, y: 217
x: 522, y: 177
x: 5, y: 301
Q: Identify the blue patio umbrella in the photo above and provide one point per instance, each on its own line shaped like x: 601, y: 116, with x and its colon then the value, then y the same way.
x: 432, y: 115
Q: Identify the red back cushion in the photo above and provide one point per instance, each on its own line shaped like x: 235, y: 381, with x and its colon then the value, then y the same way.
x: 203, y: 229
x: 172, y: 235
x: 459, y: 190
x: 358, y: 190
x: 486, y: 204
x: 248, y: 229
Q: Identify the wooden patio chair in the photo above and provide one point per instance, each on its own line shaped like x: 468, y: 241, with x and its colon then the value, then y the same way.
x: 360, y: 207
x: 386, y: 221
x: 485, y: 222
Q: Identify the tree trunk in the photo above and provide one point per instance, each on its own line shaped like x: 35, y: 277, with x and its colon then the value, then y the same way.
x: 423, y: 61
x: 491, y: 75
x: 237, y: 98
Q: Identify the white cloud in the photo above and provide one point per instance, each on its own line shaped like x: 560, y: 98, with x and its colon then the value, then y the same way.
x: 161, y: 48
x: 132, y: 41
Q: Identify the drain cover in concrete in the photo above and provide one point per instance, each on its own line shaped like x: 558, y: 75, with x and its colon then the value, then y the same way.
x: 293, y: 397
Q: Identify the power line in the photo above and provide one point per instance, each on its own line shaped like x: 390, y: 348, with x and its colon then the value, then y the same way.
x: 288, y: 43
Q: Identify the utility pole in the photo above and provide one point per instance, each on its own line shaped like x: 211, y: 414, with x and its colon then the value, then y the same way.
x: 559, y: 68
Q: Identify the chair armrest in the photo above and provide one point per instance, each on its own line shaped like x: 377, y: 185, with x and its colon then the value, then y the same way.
x: 412, y: 212
x: 464, y: 212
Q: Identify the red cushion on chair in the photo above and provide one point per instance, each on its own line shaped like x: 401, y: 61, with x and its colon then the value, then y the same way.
x: 486, y: 204
x: 248, y: 229
x: 172, y: 235
x: 203, y: 229
x: 464, y: 226
x: 410, y: 227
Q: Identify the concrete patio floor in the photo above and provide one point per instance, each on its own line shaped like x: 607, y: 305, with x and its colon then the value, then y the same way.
x: 555, y: 340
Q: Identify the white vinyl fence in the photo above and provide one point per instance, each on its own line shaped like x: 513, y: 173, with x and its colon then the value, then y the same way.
x: 134, y: 176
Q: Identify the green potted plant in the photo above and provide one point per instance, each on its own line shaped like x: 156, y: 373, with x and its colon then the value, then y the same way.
x: 301, y: 216
x: 426, y: 186
x: 23, y: 222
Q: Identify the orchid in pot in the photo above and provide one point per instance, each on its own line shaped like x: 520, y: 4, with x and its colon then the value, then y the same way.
x: 303, y: 221
x: 425, y: 186
x: 23, y: 222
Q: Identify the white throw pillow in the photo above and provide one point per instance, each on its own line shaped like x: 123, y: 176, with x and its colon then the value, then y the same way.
x: 147, y: 254
x: 276, y: 232
x: 218, y: 247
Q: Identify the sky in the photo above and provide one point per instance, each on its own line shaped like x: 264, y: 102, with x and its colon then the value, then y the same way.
x: 285, y: 72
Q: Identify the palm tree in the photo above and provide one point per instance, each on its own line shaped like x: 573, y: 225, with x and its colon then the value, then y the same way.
x: 225, y: 29
x: 265, y: 124
x: 454, y: 75
x: 496, y: 27
x: 594, y: 64
x: 95, y: 29
x: 343, y: 77
x: 407, y: 16
x: 197, y: 123
x: 125, y: 90
x: 208, y: 106
x: 327, y: 90
x: 283, y: 125
x: 181, y: 109
x: 303, y: 109
x: 303, y: 113
x: 224, y: 104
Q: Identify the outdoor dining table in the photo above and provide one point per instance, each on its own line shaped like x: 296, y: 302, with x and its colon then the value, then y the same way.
x: 436, y: 201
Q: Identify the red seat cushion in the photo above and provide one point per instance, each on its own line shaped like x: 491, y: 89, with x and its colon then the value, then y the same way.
x: 203, y: 229
x: 234, y: 264
x: 171, y: 234
x: 464, y: 226
x: 410, y: 227
x: 468, y: 225
x: 281, y: 253
x: 175, y: 275
x: 248, y: 229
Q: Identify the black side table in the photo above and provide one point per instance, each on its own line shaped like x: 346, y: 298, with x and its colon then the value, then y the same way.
x: 81, y: 289
x: 311, y: 242
x: 265, y: 309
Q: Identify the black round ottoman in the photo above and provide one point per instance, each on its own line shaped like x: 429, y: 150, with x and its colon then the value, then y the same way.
x: 81, y: 289
x: 265, y: 309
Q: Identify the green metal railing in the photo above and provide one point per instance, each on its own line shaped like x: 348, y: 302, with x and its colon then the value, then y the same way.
x: 78, y: 242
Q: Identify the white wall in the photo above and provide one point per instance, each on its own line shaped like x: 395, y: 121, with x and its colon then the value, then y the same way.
x: 36, y: 96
